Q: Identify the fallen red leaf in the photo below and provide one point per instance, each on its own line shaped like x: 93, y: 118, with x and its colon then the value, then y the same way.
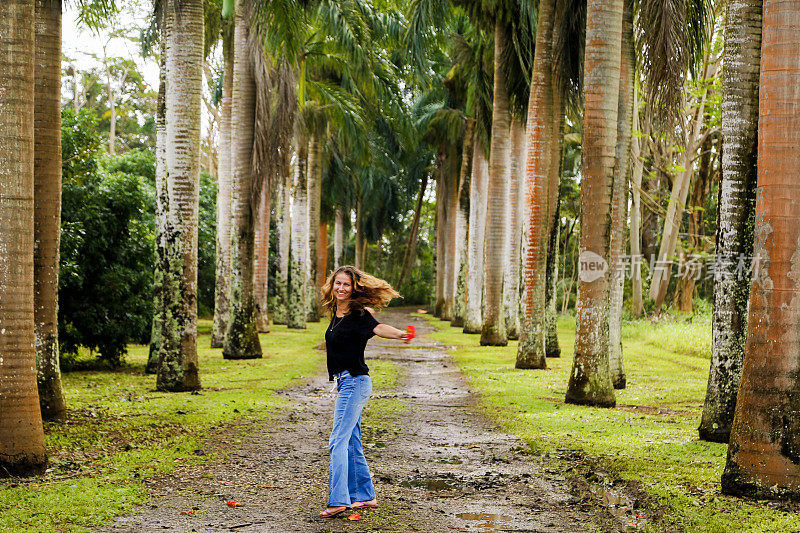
x: 225, y: 482
x: 354, y: 517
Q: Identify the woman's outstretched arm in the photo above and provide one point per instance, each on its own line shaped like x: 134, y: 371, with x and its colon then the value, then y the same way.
x: 388, y: 332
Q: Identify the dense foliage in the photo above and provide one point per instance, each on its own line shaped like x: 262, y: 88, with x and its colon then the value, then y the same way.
x: 107, y: 231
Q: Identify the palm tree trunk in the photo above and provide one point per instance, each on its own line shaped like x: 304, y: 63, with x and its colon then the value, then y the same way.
x: 177, y: 355
x: 283, y: 225
x: 763, y: 456
x: 162, y: 204
x: 261, y: 262
x: 493, y: 330
x: 241, y: 337
x: 538, y: 185
x: 413, y: 233
x: 299, y: 254
x: 736, y: 214
x: 462, y: 222
x: 590, y: 378
x: 637, y: 156
x: 551, y: 346
x: 441, y: 232
x: 322, y: 254
x: 338, y: 239
x: 22, y: 449
x: 516, y: 198
x: 619, y: 209
x: 314, y: 206
x: 478, y: 194
x: 452, y: 175
x: 359, y: 238
x: 223, y: 257
x: 47, y: 205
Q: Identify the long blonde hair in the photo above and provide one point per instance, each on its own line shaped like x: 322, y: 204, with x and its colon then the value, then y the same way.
x: 368, y: 291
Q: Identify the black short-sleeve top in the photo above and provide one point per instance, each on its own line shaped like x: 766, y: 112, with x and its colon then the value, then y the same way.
x: 345, y: 340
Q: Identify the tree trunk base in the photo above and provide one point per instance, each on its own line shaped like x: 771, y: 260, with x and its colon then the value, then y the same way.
x: 493, y: 336
x: 29, y: 466
x: 734, y: 483
x: 711, y: 434
x: 620, y: 382
x: 471, y: 329
x: 457, y: 322
x: 51, y: 399
x: 591, y: 400
x: 217, y: 342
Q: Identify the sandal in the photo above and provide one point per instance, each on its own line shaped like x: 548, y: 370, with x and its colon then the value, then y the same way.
x: 372, y: 504
x: 330, y: 512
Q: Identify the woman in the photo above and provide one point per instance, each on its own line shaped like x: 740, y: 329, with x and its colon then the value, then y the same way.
x: 346, y: 296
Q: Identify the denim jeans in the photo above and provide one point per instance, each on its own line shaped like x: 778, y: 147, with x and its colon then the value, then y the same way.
x: 349, y: 479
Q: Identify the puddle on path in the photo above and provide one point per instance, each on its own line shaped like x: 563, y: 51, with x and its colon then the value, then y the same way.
x: 494, y: 522
x: 621, y: 507
x: 432, y: 483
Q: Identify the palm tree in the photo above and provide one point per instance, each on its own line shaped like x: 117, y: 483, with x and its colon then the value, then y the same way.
x: 283, y: 229
x: 241, y: 337
x: 763, y: 451
x: 299, y: 238
x: 462, y: 225
x: 22, y: 447
x: 314, y: 206
x: 223, y: 258
x: 47, y: 205
x: 478, y: 197
x: 178, y: 370
x: 539, y: 189
x: 516, y: 193
x: 261, y: 261
x: 736, y: 214
x: 619, y: 208
x: 590, y: 379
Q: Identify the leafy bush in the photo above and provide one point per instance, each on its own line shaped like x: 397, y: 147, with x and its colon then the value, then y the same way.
x: 106, y: 279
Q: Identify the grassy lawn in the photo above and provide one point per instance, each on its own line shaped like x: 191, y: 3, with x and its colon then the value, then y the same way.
x: 651, y: 437
x: 120, y: 431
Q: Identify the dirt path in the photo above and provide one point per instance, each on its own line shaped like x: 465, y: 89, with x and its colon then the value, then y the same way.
x: 445, y: 467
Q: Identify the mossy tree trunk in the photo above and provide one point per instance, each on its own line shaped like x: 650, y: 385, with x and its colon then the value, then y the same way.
x: 462, y: 223
x: 298, y: 271
x: 551, y: 345
x: 590, y: 378
x: 764, y: 450
x: 261, y: 261
x: 47, y: 205
x: 283, y: 226
x: 224, y: 179
x: 177, y: 353
x: 338, y: 238
x: 314, y: 206
x: 241, y: 337
x: 22, y: 449
x: 736, y: 214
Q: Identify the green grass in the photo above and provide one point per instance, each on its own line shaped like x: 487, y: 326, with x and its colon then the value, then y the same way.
x: 121, y: 431
x: 651, y: 437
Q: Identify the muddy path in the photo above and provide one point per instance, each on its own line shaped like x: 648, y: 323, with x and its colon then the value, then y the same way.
x: 439, y: 465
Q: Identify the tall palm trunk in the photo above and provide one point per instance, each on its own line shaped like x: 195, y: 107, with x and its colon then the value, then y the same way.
x: 261, y: 262
x: 478, y: 196
x: 637, y: 157
x: 360, y: 241
x: 177, y: 354
x: 461, y: 224
x: 322, y: 254
x: 763, y: 455
x: 298, y: 271
x: 413, y: 233
x: 283, y: 225
x: 590, y: 379
x: 162, y: 203
x: 441, y: 233
x: 736, y: 214
x: 551, y: 346
x: 493, y: 329
x: 47, y: 205
x: 22, y: 449
x: 452, y: 176
x: 516, y: 198
x: 314, y: 206
x: 538, y: 190
x: 338, y: 238
x: 619, y: 209
x: 241, y: 337
x: 224, y: 179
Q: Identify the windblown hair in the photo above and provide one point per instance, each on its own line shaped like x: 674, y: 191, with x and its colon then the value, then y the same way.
x: 368, y: 291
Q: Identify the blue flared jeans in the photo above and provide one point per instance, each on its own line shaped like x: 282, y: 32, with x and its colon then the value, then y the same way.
x: 349, y: 479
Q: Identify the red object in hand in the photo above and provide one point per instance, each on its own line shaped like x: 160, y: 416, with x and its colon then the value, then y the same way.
x: 232, y: 503
x: 411, y: 331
